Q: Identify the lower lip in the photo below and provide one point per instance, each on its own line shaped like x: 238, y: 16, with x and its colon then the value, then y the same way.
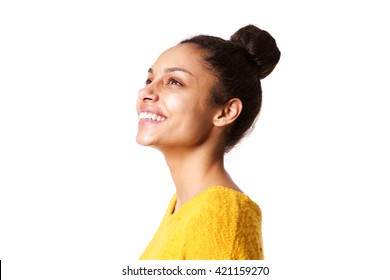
x: 148, y: 122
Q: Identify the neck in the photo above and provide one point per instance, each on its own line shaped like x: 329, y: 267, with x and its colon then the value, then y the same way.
x: 195, y: 170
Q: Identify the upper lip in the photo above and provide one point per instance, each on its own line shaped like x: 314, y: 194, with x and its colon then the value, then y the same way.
x: 150, y: 109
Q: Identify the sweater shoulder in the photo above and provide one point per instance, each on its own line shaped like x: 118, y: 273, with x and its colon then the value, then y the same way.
x: 222, y: 203
x: 224, y: 224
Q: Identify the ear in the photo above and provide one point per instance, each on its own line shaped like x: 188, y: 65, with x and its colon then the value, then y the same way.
x: 228, y: 113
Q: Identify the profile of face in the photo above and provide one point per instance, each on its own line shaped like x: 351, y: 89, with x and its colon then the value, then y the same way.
x: 174, y: 107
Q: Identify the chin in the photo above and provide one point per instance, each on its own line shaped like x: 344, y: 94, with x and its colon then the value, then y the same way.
x: 144, y: 140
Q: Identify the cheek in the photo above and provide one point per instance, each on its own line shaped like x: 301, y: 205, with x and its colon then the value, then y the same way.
x: 184, y: 109
x: 178, y: 105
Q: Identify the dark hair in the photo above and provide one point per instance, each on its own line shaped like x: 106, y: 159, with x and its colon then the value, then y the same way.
x: 239, y: 64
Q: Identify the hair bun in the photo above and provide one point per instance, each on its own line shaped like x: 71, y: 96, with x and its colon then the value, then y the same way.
x: 261, y: 46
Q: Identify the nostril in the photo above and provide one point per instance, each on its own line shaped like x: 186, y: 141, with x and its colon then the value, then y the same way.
x: 147, y: 94
x: 150, y: 96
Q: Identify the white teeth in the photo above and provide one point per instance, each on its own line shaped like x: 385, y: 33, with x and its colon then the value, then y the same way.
x: 150, y: 116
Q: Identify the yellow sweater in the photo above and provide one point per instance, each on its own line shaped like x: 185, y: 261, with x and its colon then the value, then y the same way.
x: 217, y: 224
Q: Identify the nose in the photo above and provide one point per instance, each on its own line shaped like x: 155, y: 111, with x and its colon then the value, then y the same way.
x: 148, y: 94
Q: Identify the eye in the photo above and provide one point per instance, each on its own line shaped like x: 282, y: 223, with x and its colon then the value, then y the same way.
x: 148, y: 81
x: 175, y: 82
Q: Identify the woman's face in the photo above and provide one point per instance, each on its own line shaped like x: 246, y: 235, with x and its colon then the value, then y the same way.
x: 174, y: 107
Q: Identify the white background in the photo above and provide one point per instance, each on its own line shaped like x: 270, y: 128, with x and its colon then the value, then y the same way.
x: 79, y: 199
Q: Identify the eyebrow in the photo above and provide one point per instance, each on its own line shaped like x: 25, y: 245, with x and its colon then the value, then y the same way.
x: 172, y: 69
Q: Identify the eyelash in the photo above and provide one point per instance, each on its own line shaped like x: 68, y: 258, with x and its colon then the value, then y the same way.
x: 174, y: 82
x: 171, y: 81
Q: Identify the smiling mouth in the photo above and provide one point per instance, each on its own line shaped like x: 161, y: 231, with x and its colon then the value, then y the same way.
x: 151, y: 117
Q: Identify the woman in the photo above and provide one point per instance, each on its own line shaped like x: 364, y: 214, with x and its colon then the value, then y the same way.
x: 201, y: 98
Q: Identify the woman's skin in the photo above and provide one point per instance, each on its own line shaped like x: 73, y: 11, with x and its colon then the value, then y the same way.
x: 176, y: 116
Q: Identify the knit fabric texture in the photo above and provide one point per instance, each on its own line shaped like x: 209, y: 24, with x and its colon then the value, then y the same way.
x: 217, y: 224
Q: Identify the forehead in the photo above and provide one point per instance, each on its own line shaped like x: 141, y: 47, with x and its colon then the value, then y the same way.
x: 186, y: 56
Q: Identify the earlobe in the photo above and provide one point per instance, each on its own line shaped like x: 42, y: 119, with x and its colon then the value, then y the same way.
x: 221, y: 121
x: 229, y: 113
